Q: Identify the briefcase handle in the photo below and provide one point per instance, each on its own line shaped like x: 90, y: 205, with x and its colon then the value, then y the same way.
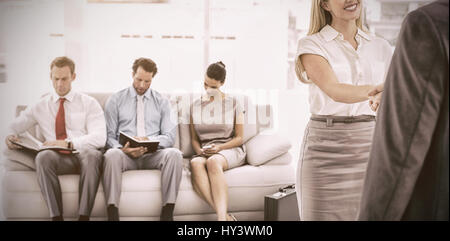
x: 284, y: 189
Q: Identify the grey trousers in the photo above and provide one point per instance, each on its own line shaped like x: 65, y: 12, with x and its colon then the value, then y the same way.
x: 50, y: 164
x: 169, y: 161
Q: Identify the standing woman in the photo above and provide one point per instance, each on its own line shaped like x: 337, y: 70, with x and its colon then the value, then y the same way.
x: 342, y: 64
x: 216, y: 135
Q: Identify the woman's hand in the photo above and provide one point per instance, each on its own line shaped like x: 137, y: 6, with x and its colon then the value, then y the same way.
x: 375, y: 96
x: 376, y: 89
x: 211, y: 151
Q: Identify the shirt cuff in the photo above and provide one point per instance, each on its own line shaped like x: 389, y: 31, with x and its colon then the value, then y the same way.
x: 117, y: 146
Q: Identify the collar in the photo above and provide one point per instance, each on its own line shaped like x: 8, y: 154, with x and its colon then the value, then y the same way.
x: 133, y: 92
x: 205, y: 98
x: 329, y: 33
x: 364, y: 35
x: 69, y: 96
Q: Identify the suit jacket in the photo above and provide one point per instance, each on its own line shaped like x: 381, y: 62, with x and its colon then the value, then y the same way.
x: 407, y: 174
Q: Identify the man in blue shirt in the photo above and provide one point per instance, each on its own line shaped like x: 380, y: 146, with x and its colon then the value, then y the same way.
x: 145, y: 114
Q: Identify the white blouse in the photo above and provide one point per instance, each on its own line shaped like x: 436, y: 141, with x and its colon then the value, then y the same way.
x: 367, y: 65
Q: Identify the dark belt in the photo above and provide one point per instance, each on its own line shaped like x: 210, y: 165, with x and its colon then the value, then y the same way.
x: 329, y: 119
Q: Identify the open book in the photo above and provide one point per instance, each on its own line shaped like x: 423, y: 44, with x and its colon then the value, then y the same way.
x: 152, y: 146
x: 29, y: 143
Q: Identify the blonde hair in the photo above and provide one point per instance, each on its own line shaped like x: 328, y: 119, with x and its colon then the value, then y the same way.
x: 319, y: 19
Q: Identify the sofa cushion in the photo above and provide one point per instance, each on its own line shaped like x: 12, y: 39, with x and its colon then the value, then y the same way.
x: 284, y: 159
x: 250, y: 119
x: 263, y: 148
x: 184, y: 102
x: 101, y: 98
x: 264, y: 117
x: 185, y: 140
x: 9, y: 165
x: 173, y: 100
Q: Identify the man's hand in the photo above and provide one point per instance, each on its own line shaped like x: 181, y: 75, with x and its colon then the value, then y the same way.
x: 211, y: 151
x: 10, y: 145
x: 375, y: 97
x: 60, y: 143
x: 374, y: 101
x: 134, y: 152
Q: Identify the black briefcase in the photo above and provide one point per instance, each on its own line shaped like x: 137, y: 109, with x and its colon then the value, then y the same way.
x: 282, y: 206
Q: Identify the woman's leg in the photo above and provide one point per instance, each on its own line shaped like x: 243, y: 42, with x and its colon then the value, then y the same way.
x: 215, y: 165
x: 200, y: 180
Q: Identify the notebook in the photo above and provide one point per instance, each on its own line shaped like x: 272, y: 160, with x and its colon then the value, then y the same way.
x: 151, y: 145
x: 30, y: 143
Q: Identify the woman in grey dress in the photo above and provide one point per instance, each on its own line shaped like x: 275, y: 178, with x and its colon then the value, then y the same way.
x: 217, y: 136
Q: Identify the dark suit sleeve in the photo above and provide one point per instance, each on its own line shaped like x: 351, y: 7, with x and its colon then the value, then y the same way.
x: 406, y: 119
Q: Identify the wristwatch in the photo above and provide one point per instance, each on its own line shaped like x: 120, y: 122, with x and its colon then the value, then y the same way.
x: 69, y: 143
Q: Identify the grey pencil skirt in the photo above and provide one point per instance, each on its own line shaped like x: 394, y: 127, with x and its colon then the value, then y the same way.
x: 332, y: 167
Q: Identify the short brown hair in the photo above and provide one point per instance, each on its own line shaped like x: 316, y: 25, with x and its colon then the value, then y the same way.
x: 147, y: 64
x: 62, y: 62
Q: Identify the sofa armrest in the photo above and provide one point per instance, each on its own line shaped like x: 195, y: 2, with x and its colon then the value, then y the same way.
x: 18, y: 160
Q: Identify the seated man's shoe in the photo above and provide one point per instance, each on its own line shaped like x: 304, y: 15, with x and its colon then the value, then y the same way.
x: 163, y: 218
x: 113, y: 213
x: 58, y: 218
x: 167, y: 212
x: 83, y: 218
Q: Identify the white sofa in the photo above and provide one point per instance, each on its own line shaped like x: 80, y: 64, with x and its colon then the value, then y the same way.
x: 269, y: 166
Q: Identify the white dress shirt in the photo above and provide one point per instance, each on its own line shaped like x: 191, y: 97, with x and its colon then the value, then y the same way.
x: 84, y: 118
x: 367, y: 65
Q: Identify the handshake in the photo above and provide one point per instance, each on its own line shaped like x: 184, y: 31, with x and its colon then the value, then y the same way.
x: 375, y: 96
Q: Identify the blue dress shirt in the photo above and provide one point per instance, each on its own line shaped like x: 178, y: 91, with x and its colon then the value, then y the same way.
x: 120, y: 115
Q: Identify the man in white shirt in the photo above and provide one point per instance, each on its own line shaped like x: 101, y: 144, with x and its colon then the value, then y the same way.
x: 65, y: 119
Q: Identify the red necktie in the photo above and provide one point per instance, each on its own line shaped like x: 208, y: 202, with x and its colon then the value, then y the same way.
x: 60, y: 123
